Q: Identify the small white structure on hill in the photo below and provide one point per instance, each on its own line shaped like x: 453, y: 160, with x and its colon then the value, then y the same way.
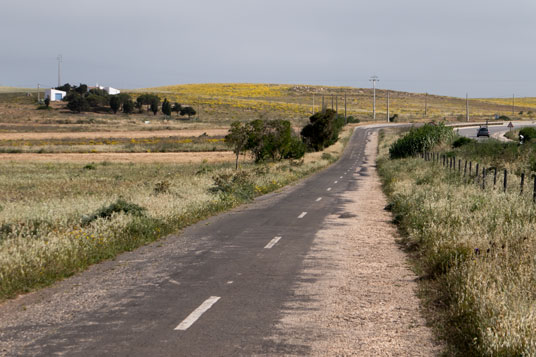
x: 109, y: 90
x: 112, y: 91
x: 55, y: 94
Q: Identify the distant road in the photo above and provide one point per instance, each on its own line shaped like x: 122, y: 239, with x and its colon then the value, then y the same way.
x: 470, y: 132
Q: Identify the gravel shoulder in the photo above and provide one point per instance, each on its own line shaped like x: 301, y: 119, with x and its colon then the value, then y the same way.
x: 356, y: 293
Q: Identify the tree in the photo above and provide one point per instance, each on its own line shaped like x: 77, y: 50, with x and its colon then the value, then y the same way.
x: 78, y: 103
x: 177, y: 108
x: 47, y: 102
x: 155, y: 101
x: 166, y: 107
x: 138, y: 105
x: 188, y: 111
x: 128, y: 106
x: 237, y: 138
x: 66, y: 88
x: 323, y: 129
x: 115, y: 103
x: 81, y: 89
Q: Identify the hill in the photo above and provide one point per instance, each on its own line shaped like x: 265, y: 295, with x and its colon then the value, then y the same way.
x: 227, y: 102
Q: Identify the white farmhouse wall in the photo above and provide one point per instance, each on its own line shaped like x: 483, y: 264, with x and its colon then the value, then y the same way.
x: 54, y: 93
x: 111, y: 90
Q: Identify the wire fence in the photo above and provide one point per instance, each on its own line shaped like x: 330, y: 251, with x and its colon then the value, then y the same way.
x: 490, y: 178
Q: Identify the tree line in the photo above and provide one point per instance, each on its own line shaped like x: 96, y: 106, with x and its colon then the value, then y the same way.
x: 275, y: 140
x: 82, y: 99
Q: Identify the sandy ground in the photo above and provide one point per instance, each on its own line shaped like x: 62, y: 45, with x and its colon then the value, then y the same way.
x: 164, y: 157
x: 356, y: 295
x: 114, y: 134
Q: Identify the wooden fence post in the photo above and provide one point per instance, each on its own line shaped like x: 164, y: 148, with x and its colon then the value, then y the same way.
x: 459, y: 165
x: 505, y: 182
x: 495, y: 177
x: 534, y: 190
x: 477, y: 172
x: 522, y: 183
x: 470, y: 168
x: 483, y: 178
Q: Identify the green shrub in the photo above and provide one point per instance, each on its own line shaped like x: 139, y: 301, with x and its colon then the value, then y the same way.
x: 327, y: 156
x: 119, y: 206
x: 504, y: 118
x: 528, y: 133
x: 461, y: 141
x: 352, y: 120
x: 90, y: 167
x: 237, y: 184
x: 419, y: 140
x: 162, y: 187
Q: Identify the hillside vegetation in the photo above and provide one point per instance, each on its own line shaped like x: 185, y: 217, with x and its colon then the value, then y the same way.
x: 217, y: 105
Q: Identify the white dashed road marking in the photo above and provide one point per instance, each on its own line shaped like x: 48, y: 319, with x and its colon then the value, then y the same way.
x: 329, y: 189
x: 336, y: 182
x: 319, y: 199
x: 272, y: 243
x: 302, y: 215
x: 197, y: 313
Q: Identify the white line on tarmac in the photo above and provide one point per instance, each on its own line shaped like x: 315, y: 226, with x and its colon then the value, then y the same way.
x: 302, y: 215
x: 319, y: 199
x: 272, y: 243
x: 340, y: 177
x: 336, y: 182
x: 329, y: 188
x: 196, y: 314
x: 174, y: 282
x: 230, y: 282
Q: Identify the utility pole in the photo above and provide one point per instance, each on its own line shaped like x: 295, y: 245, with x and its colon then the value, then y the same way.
x: 374, y: 79
x: 38, y: 93
x: 60, y: 60
x: 388, y: 106
x: 332, y: 102
x: 345, y: 117
x: 513, y: 104
x: 313, y: 104
x: 466, y: 106
x: 337, y: 104
x: 323, y: 103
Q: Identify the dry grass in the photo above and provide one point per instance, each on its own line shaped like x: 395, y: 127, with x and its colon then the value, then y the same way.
x: 160, y: 157
x: 133, y: 134
x: 479, y: 249
x: 45, y: 208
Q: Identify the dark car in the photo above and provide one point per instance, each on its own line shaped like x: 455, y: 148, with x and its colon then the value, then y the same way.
x: 483, y: 132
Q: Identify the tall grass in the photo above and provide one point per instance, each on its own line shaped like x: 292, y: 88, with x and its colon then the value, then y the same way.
x: 57, y: 219
x: 476, y: 248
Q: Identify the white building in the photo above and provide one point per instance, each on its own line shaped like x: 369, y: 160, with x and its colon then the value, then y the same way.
x: 109, y: 90
x: 55, y: 94
x: 112, y: 91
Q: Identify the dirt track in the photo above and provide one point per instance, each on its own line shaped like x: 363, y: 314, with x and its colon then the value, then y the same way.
x: 113, y: 134
x: 164, y: 157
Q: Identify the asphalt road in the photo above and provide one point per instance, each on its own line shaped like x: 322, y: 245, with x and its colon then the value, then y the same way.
x: 470, y: 132
x: 217, y: 289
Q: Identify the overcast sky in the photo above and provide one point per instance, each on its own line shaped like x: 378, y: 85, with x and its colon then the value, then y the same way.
x: 484, y: 47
